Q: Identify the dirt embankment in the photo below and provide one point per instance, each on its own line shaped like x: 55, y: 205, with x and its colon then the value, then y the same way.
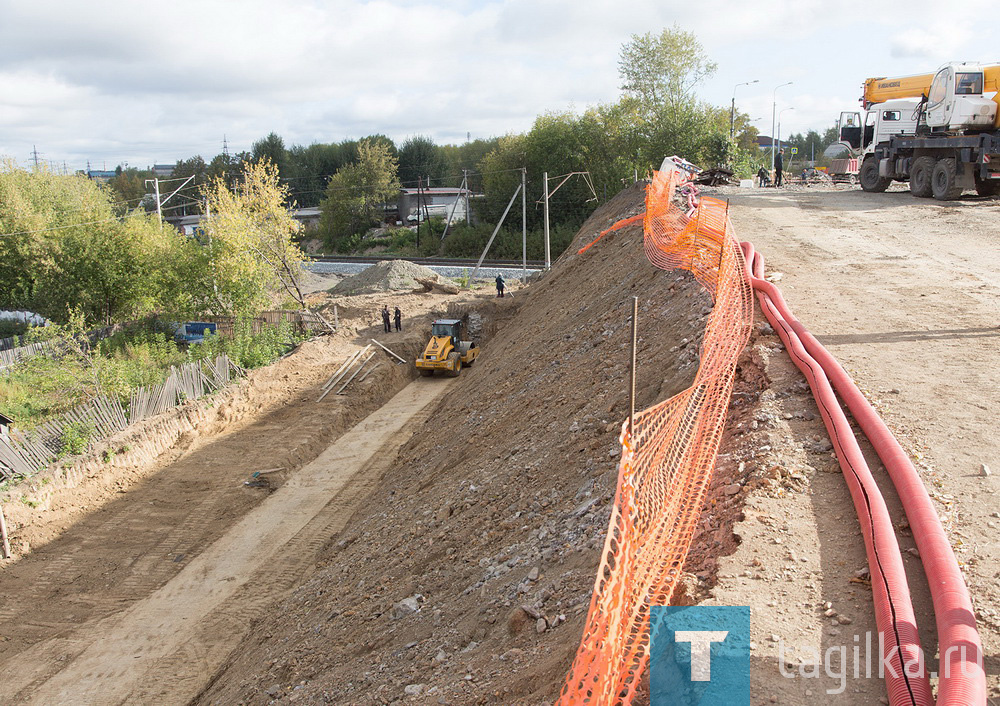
x: 467, y: 576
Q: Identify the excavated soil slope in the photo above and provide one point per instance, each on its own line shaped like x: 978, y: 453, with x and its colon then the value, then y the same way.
x: 467, y: 576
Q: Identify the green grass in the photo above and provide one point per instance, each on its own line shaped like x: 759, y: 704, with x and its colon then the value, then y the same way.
x: 44, y: 387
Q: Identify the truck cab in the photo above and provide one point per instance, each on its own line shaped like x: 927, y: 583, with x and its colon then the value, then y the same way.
x: 896, y: 117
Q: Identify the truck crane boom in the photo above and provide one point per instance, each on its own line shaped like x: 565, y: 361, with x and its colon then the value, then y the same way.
x: 881, y: 89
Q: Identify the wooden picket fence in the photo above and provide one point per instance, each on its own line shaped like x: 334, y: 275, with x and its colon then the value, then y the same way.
x: 23, y: 454
x: 12, y: 356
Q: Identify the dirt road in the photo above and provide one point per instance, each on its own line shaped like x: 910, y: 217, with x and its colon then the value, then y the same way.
x: 164, y: 647
x: 906, y: 294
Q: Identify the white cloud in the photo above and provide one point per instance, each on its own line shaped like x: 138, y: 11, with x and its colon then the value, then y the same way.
x: 139, y: 82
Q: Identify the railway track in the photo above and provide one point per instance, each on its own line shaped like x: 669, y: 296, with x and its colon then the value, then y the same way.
x: 427, y: 261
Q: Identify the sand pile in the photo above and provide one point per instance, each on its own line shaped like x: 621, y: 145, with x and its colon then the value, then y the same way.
x: 385, y: 276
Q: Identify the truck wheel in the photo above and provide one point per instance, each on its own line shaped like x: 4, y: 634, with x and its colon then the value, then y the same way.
x: 456, y: 360
x: 920, y: 177
x: 944, y: 181
x: 869, y: 178
x: 987, y: 187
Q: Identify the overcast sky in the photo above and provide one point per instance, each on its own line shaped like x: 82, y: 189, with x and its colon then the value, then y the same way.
x: 142, y: 83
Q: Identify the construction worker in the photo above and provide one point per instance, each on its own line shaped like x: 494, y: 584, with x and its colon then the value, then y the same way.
x: 398, y: 318
x: 778, y: 164
x: 385, y: 319
x: 500, y: 285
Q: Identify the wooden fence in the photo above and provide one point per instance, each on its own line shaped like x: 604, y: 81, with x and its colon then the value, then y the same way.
x: 302, y: 320
x: 23, y: 454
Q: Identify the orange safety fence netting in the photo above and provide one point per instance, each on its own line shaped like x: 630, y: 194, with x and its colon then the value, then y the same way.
x: 667, y: 463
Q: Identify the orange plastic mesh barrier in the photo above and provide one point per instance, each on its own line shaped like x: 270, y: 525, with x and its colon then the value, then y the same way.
x: 667, y: 463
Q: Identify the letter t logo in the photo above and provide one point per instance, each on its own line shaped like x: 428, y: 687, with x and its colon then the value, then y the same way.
x: 701, y: 650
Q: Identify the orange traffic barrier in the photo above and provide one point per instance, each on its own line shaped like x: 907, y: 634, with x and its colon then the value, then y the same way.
x: 668, y: 459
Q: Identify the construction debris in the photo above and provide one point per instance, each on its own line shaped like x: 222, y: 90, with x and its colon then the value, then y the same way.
x: 718, y: 176
x: 433, y: 285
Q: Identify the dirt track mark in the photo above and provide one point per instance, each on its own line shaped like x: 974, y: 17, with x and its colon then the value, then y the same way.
x: 167, y: 646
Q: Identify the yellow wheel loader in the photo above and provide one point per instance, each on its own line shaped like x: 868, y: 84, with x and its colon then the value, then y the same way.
x: 446, y: 350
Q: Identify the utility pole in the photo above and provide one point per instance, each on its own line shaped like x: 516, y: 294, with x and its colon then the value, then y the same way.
x: 468, y: 188
x: 35, y: 156
x: 419, y: 184
x: 159, y: 207
x: 524, y: 225
x: 545, y: 183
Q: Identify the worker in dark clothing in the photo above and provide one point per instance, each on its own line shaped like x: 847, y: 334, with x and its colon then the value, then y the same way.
x: 762, y: 177
x: 778, y: 164
x: 385, y: 319
x: 500, y: 285
x: 398, y: 318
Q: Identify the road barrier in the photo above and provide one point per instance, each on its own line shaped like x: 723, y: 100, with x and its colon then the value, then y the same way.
x: 667, y: 460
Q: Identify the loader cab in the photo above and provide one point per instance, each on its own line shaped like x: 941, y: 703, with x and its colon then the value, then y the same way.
x: 448, y: 327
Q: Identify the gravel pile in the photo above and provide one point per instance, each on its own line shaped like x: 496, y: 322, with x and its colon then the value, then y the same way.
x: 385, y: 276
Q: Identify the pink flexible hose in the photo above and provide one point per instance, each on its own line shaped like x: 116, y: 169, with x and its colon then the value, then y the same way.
x: 962, y: 680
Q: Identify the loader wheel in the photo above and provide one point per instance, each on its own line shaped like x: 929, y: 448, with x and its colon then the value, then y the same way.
x: 455, y: 360
x: 869, y: 178
x: 424, y: 372
x: 944, y: 181
x: 920, y: 177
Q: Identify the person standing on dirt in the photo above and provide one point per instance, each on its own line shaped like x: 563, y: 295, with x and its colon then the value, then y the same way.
x: 500, y: 285
x: 778, y: 164
x: 385, y: 319
x: 397, y: 316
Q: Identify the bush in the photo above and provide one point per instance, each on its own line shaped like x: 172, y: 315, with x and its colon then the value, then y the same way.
x: 11, y: 327
x: 246, y: 348
x: 75, y: 438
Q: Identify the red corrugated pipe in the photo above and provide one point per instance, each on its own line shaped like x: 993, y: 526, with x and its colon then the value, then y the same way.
x: 962, y: 680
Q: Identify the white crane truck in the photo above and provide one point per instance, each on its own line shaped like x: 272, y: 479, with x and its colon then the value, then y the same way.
x: 939, y: 132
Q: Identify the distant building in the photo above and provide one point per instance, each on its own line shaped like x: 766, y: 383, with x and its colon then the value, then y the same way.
x: 101, y: 175
x: 764, y: 142
x: 435, y: 201
x: 308, y: 217
x: 163, y: 170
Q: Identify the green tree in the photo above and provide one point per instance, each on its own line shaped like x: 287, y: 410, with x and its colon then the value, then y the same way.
x: 663, y: 70
x: 357, y: 192
x: 271, y: 149
x: 420, y: 159
x: 65, y: 246
x: 251, y: 256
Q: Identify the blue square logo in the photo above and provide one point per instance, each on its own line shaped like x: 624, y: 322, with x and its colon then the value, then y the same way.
x: 698, y: 655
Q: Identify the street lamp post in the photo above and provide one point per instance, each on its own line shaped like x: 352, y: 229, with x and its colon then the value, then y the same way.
x: 779, y: 123
x: 732, y: 108
x: 774, y: 106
